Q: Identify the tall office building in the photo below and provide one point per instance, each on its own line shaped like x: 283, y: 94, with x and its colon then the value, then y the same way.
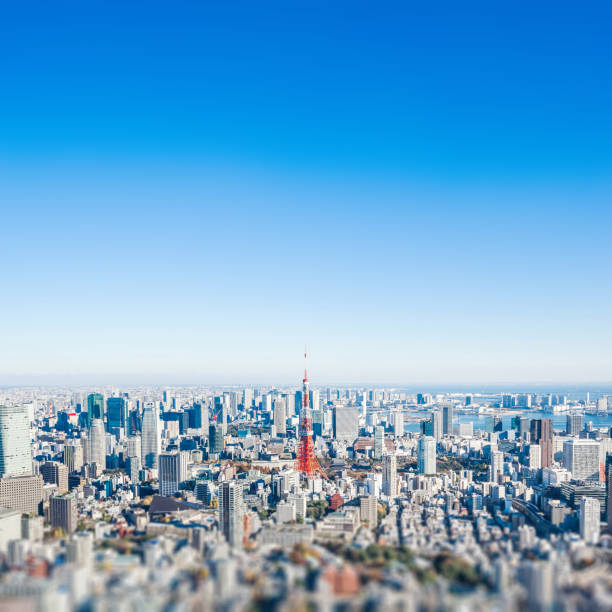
x: 151, y: 435
x: 541, y: 431
x: 95, y: 406
x: 55, y: 473
x: 216, y: 439
x: 280, y: 417
x: 426, y: 458
x: 231, y: 511
x: 448, y: 412
x: 116, y: 416
x: 535, y: 456
x: 389, y: 480
x: 63, y: 511
x: 247, y: 399
x: 496, y: 467
x: 581, y: 458
x: 589, y: 519
x: 172, y: 471
x: 437, y: 425
x: 575, y: 424
x: 398, y: 423
x: 608, y: 473
x: 15, y: 447
x: 97, y: 444
x: 368, y: 507
x: 345, y: 423
x: 73, y: 456
x: 21, y: 493
x: 379, y: 442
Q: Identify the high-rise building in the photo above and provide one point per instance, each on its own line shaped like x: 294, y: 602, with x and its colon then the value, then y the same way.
x: 608, y: 472
x: 132, y: 467
x: 581, y: 458
x: 97, y: 444
x: 231, y: 511
x: 589, y: 519
x: 346, y: 423
x: 21, y: 493
x: 379, y: 442
x: 280, y: 417
x: 55, y: 473
x: 95, y: 406
x: 437, y: 425
x: 496, y: 467
x: 535, y: 456
x: 116, y: 416
x: 216, y: 439
x: 448, y: 412
x: 73, y: 456
x: 426, y: 458
x: 368, y: 506
x: 575, y: 424
x: 542, y: 433
x: 389, y: 479
x: 62, y: 512
x: 398, y: 423
x: 151, y: 435
x: 172, y: 471
x: 15, y: 447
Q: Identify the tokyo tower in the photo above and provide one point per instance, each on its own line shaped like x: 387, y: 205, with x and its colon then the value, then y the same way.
x: 307, y: 462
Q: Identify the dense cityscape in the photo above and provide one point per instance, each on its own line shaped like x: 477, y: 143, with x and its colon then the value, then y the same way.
x: 203, y: 498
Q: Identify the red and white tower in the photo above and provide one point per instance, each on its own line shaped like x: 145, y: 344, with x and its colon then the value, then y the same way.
x: 307, y: 462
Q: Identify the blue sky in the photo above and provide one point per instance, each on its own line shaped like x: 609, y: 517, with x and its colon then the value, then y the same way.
x: 190, y: 193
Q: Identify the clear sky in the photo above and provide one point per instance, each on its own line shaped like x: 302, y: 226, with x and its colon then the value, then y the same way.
x: 421, y: 192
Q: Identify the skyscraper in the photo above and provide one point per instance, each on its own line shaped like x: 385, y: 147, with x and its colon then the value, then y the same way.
x: 151, y: 435
x: 73, y: 456
x: 436, y: 420
x: 172, y: 471
x: 496, y: 467
x: 97, y: 444
x: 398, y: 424
x: 426, y: 458
x: 345, y: 423
x: 447, y: 419
x: 280, y: 418
x: 116, y: 415
x: 589, y: 519
x: 608, y: 472
x: 62, y: 511
x: 581, y: 458
x: 542, y: 433
x: 574, y: 424
x: 15, y: 452
x: 216, y: 439
x: 231, y: 511
x: 389, y: 480
x: 379, y: 442
x: 95, y: 406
